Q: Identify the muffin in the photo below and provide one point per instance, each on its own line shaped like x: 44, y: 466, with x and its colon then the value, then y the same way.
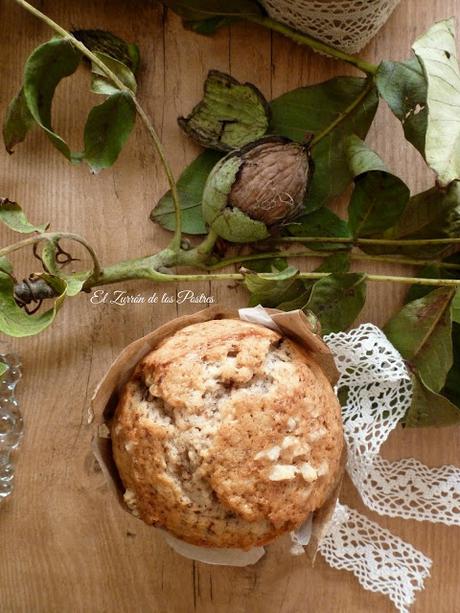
x: 227, y: 435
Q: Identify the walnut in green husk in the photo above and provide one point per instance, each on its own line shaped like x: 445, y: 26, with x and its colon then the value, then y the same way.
x: 257, y: 187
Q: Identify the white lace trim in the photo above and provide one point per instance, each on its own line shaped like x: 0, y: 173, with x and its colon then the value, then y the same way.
x: 378, y: 393
x: 381, y: 561
x: 346, y: 24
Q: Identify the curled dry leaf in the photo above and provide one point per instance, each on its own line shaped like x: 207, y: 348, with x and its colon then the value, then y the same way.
x: 14, y: 321
x: 18, y: 122
x: 12, y: 215
x: 44, y: 70
x: 107, y: 129
x: 403, y: 86
x: 437, y: 53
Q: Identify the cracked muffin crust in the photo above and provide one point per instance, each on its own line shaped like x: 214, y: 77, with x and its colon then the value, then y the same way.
x: 227, y: 435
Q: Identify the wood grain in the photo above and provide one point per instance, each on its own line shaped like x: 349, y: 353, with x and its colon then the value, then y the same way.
x: 65, y: 547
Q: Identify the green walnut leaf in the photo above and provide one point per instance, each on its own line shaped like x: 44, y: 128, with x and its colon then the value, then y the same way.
x: 13, y: 216
x: 434, y: 213
x: 273, y: 264
x: 345, y: 106
x: 271, y: 289
x: 452, y: 388
x: 456, y: 307
x: 100, y: 84
x: 101, y: 41
x: 230, y: 115
x: 228, y: 222
x: 208, y: 26
x: 3, y: 368
x: 14, y: 321
x: 437, y: 53
x: 403, y: 86
x: 322, y: 222
x: 297, y: 302
x: 337, y: 262
x: 107, y: 128
x: 45, y: 68
x: 437, y: 270
x: 196, y: 10
x: 431, y: 214
x: 18, y: 122
x: 429, y: 408
x: 421, y: 332
x: 432, y: 271
x: 379, y: 198
x: 190, y: 187
x: 337, y: 300
x: 5, y: 265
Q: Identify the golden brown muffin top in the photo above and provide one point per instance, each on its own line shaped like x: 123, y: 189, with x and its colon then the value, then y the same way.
x: 227, y: 435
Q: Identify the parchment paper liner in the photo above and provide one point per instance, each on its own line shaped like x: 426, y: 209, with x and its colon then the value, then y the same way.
x: 293, y: 324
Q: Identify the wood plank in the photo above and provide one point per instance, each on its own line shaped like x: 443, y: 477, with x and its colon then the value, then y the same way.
x: 65, y: 545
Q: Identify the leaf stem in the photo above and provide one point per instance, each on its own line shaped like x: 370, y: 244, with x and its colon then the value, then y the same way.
x: 313, y: 43
x: 311, y: 275
x: 342, y: 116
x: 199, y: 255
x: 369, y: 241
x: 321, y: 254
x: 176, y: 241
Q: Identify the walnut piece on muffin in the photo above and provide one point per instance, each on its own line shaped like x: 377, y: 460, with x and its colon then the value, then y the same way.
x: 227, y: 435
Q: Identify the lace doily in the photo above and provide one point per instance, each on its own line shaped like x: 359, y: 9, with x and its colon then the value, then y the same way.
x: 346, y: 24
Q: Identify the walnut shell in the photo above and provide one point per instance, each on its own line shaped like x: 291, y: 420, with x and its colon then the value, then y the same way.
x: 272, y: 181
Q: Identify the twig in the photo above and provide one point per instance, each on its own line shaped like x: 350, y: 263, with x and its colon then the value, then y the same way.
x: 403, y: 242
x: 313, y: 43
x: 53, y: 237
x: 321, y: 254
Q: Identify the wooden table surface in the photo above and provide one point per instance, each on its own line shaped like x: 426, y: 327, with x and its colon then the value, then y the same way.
x: 64, y: 545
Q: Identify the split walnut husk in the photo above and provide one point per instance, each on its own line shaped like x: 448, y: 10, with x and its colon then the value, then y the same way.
x: 101, y: 41
x: 257, y: 187
x: 230, y: 115
x: 105, y: 399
